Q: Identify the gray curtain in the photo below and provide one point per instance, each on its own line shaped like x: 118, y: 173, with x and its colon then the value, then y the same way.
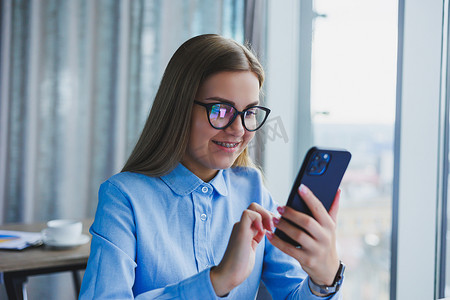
x: 77, y: 79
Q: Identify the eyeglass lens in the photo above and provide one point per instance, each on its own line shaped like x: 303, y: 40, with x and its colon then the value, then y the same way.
x: 221, y: 115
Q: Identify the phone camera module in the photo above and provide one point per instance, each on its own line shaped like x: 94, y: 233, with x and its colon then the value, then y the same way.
x: 319, y: 164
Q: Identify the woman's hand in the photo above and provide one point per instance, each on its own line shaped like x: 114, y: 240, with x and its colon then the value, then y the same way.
x: 318, y: 254
x: 239, y: 258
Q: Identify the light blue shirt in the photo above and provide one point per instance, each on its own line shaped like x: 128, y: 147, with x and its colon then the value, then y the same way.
x: 158, y: 237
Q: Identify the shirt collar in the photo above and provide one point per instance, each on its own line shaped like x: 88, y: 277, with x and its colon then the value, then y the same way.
x: 219, y: 183
x: 182, y: 181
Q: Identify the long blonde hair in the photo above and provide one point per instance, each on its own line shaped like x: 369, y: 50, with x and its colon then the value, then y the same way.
x: 164, y: 139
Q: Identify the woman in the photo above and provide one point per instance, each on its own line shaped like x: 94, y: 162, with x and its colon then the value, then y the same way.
x: 188, y: 215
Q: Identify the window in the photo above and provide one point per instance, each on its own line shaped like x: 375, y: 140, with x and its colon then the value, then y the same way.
x: 353, y: 75
x: 336, y: 71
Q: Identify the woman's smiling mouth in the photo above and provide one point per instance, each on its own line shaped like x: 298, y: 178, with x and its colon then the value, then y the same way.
x: 226, y: 144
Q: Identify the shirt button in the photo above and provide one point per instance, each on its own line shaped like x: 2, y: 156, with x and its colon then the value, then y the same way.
x: 203, y: 217
x: 204, y: 189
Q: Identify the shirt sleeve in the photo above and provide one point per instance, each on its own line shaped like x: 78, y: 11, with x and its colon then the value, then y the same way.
x: 196, y: 287
x: 110, y: 272
x: 285, y: 279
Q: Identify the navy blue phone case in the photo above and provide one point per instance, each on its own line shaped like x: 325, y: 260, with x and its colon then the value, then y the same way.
x: 322, y: 171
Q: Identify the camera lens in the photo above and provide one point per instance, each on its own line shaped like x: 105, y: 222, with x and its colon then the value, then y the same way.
x: 319, y: 163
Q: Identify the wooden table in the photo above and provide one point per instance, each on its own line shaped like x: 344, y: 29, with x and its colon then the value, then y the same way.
x: 16, y: 265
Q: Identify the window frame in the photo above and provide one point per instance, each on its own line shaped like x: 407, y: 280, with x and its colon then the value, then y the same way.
x: 418, y: 151
x: 443, y: 213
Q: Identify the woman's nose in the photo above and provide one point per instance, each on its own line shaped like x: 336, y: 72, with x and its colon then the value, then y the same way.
x: 236, y: 128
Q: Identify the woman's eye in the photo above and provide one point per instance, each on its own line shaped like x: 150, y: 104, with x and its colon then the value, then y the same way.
x: 251, y: 113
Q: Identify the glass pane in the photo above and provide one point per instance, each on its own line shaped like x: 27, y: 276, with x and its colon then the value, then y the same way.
x: 353, y: 92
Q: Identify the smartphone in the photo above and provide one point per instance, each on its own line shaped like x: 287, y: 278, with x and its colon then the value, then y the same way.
x: 321, y: 171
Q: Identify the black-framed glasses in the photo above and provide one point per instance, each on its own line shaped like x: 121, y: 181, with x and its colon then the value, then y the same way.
x: 222, y: 115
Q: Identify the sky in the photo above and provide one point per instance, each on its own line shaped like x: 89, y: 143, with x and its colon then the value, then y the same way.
x: 355, y: 82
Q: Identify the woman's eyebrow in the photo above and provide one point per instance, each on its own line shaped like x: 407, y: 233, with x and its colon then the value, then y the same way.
x: 230, y: 102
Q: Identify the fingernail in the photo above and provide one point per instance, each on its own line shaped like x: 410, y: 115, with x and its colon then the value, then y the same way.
x: 275, y: 221
x: 303, y: 189
x: 269, y: 235
x: 280, y: 209
x: 272, y: 226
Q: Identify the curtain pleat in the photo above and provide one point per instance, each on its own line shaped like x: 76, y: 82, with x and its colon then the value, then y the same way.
x: 18, y: 68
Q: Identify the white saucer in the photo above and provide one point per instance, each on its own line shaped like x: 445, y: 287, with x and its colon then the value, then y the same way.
x: 83, y: 239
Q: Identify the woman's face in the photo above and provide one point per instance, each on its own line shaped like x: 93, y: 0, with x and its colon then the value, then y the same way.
x: 212, y: 149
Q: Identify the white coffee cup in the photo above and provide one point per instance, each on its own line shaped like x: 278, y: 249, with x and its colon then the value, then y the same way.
x: 62, y: 231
